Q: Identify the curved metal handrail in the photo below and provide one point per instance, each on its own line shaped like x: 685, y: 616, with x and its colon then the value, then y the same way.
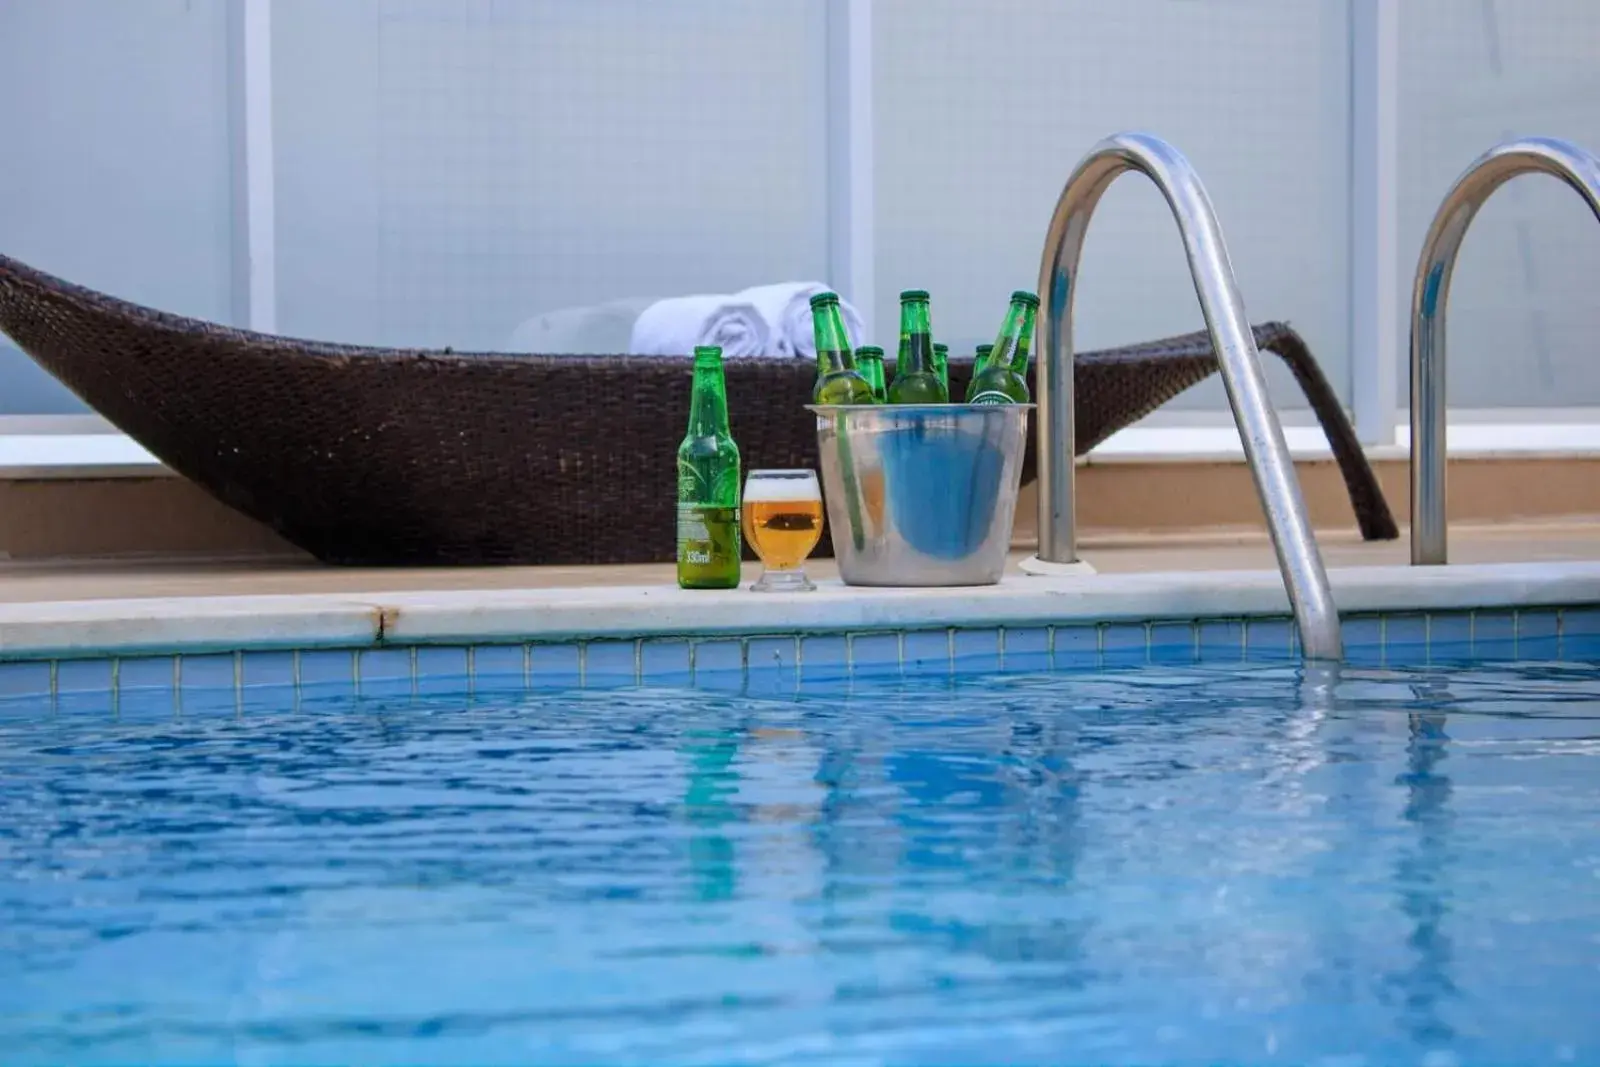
x: 1264, y: 445
x: 1430, y: 296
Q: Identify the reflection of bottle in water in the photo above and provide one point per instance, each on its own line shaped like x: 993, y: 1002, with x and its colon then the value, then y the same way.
x: 778, y: 787
x: 711, y: 785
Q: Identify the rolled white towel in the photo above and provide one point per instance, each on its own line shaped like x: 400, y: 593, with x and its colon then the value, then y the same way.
x: 603, y: 329
x: 674, y: 327
x: 787, y: 308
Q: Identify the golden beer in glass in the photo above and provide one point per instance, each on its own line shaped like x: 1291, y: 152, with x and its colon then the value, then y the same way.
x: 782, y: 516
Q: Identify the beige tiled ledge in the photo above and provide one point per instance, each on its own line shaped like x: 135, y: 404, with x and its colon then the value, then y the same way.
x: 1110, y: 552
x: 42, y: 519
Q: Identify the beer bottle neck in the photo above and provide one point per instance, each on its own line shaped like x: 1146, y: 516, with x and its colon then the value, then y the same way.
x: 916, y: 338
x: 833, y: 347
x: 1016, y: 334
x: 708, y: 403
x: 1023, y: 344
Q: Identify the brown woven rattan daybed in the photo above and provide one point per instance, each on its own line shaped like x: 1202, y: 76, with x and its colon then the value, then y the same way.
x: 373, y: 456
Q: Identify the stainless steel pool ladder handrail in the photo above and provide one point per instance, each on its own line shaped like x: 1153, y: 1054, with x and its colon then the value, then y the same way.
x: 1430, y: 297
x: 1214, y: 283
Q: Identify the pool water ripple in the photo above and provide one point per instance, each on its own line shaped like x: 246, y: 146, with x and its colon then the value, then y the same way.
x: 1174, y: 865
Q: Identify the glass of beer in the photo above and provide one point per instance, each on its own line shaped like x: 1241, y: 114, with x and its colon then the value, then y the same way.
x: 782, y: 522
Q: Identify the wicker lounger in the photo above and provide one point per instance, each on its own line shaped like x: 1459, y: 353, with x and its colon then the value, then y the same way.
x: 372, y: 456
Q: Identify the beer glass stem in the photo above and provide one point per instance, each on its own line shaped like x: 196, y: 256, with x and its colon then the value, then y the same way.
x: 793, y: 580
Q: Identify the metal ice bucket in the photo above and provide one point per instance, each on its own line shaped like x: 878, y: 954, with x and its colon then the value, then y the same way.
x: 921, y: 494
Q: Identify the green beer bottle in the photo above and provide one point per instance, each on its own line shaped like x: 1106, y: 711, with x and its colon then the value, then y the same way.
x: 838, y: 381
x: 1003, y: 379
x: 915, y: 380
x: 941, y: 366
x: 709, y: 541
x: 869, y: 361
x: 980, y: 358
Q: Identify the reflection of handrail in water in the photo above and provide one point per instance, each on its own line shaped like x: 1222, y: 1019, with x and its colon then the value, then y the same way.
x: 1420, y: 878
x: 1319, y: 685
x: 1317, y: 688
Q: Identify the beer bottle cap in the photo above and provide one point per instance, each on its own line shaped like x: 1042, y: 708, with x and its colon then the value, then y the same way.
x: 913, y: 294
x: 1031, y: 299
x: 869, y: 350
x: 824, y: 298
x: 985, y: 348
x: 707, y: 351
x: 940, y: 346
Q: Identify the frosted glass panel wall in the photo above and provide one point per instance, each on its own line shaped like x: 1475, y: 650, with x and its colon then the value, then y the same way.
x: 116, y: 173
x: 983, y: 109
x: 1523, y: 320
x: 449, y: 168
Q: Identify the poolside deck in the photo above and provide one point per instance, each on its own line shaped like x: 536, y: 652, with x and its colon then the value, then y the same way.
x: 144, y: 563
x: 1124, y: 553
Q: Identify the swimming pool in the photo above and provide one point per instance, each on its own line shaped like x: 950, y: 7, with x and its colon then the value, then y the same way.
x: 1178, y: 863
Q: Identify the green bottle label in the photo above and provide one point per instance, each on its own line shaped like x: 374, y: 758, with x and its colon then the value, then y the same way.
x: 991, y: 396
x: 709, y: 544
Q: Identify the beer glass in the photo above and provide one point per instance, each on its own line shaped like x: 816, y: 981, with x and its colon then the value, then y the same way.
x: 783, y: 523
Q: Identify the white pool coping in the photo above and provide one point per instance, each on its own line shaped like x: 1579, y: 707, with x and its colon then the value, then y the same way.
x: 66, y: 629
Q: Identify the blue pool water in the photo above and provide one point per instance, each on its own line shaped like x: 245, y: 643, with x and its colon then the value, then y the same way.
x: 1155, y: 865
